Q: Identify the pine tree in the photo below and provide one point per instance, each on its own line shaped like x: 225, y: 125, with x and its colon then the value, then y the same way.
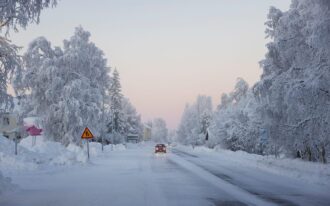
x: 117, y: 125
x: 132, y: 119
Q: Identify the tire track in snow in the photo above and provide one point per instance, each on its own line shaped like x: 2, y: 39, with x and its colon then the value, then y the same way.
x: 235, y: 191
x: 271, y: 198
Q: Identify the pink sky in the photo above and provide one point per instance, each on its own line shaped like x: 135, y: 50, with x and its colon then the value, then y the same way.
x: 167, y: 52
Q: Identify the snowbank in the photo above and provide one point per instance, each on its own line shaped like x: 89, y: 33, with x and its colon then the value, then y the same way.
x: 95, y: 148
x: 54, y: 152
x: 5, y: 184
x: 26, y: 160
x: 310, y: 172
x: 34, y: 157
x: 45, y: 153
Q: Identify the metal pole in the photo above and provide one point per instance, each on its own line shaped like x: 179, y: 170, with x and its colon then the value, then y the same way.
x: 87, y: 148
x: 33, y: 141
x: 15, y: 146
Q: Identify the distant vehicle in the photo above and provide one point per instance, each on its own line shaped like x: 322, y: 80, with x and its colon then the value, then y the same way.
x: 160, y: 148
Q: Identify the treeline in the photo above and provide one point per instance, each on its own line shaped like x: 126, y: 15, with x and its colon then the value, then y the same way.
x: 288, y: 110
x: 71, y: 88
x: 66, y: 88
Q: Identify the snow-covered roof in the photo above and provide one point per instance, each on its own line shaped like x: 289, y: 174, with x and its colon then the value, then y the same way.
x: 29, y: 121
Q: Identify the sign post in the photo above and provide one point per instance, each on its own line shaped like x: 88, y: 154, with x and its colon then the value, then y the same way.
x: 34, y: 141
x: 88, y: 148
x: 15, y: 145
x: 87, y: 134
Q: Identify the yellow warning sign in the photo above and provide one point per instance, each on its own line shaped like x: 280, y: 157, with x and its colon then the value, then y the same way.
x: 87, y: 134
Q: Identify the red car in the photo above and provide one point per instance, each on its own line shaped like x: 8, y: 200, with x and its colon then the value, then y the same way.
x: 160, y: 148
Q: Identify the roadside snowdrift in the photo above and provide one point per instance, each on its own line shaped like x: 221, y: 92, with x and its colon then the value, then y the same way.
x: 306, y: 171
x: 5, y: 184
x: 46, y: 153
x: 54, y: 153
x: 33, y: 157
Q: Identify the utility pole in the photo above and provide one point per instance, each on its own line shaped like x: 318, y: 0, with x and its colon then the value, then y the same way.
x: 102, y: 129
x: 16, y: 145
x: 112, y: 128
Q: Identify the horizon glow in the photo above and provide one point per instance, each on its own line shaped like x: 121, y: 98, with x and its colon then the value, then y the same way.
x: 167, y: 52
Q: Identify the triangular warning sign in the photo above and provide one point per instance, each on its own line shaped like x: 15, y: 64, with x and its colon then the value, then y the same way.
x: 87, y: 134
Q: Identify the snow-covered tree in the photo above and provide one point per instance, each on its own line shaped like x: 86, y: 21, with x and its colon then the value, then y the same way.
x: 287, y: 111
x: 235, y: 123
x: 66, y: 86
x: 14, y: 14
x: 10, y: 66
x: 133, y: 123
x: 195, y: 121
x: 159, y: 132
x: 294, y: 88
x: 117, y: 126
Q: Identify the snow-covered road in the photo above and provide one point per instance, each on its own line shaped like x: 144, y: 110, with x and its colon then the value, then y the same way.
x: 137, y: 176
x: 266, y: 185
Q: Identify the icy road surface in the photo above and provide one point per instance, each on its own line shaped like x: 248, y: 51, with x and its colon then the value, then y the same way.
x: 271, y: 187
x: 137, y: 176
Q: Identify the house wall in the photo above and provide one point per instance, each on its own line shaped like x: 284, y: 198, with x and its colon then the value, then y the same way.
x: 8, y: 125
x: 146, y: 134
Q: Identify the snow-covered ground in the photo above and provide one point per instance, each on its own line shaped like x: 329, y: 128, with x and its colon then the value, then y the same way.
x: 50, y: 174
x: 132, y: 176
x: 309, y: 172
x: 282, y: 181
x: 44, y: 155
